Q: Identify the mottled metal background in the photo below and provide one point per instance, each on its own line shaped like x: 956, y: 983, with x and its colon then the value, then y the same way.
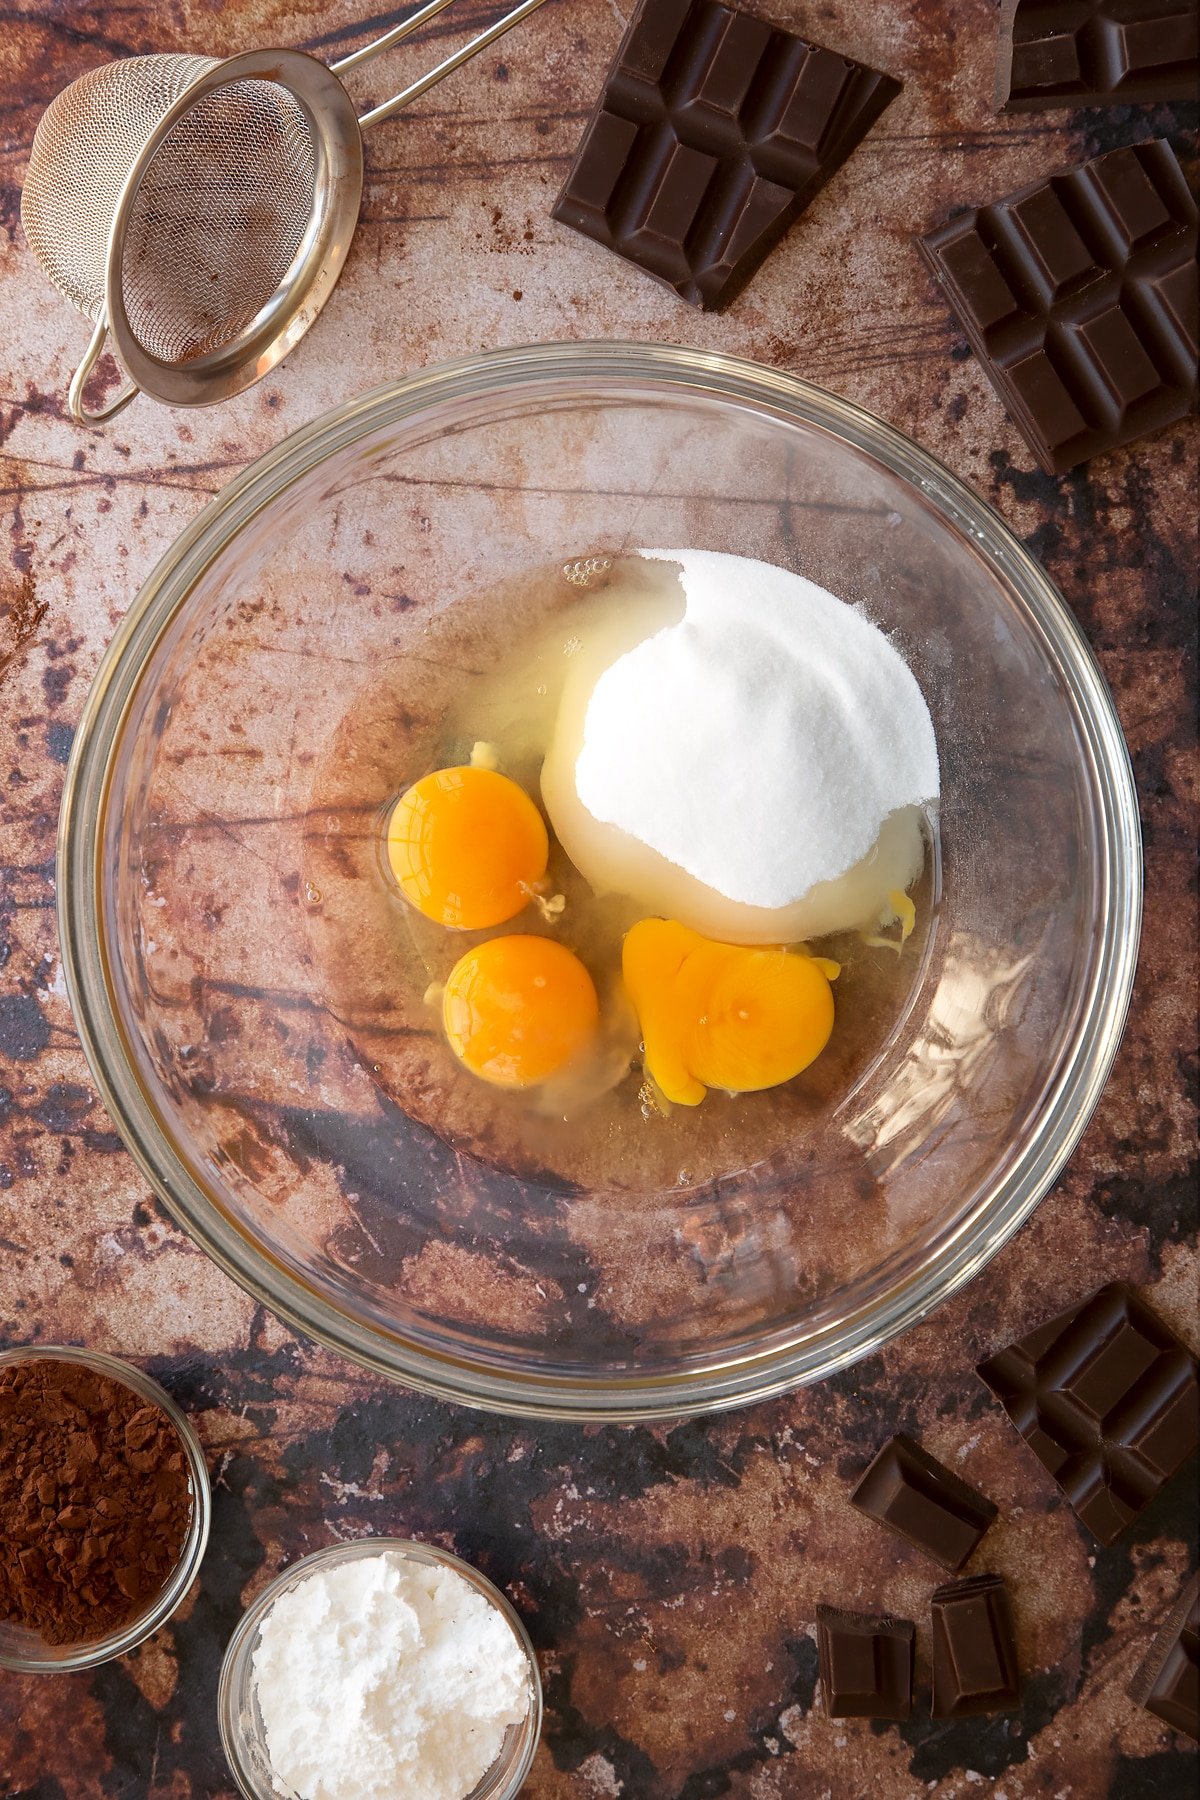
x: 669, y: 1576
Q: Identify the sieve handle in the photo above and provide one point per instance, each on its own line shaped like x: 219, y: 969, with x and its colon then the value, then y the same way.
x: 91, y: 357
x: 396, y: 35
x: 439, y: 73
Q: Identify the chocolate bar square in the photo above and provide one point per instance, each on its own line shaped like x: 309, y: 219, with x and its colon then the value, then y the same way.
x: 925, y: 1502
x: 974, y: 1649
x: 1168, y: 1682
x: 713, y: 133
x: 1095, y: 53
x: 866, y: 1664
x: 1079, y: 296
x: 1107, y: 1397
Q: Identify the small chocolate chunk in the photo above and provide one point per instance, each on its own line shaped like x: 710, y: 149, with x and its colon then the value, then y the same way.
x: 974, y: 1649
x: 866, y: 1664
x: 934, y: 1509
x: 713, y: 133
x: 1100, y: 53
x: 1168, y: 1682
x: 1107, y: 1396
x: 1079, y: 297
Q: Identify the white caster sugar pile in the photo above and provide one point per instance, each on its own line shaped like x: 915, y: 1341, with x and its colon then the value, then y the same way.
x: 384, y: 1679
x: 761, y: 743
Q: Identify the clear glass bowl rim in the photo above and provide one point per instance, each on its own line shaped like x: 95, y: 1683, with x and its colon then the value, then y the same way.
x: 961, y: 1250
x: 233, y: 1682
x: 168, y: 1599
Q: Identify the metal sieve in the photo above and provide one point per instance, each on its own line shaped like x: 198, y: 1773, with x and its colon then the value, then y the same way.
x: 200, y: 210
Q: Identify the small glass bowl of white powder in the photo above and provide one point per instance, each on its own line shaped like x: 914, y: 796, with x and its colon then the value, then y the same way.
x: 380, y: 1670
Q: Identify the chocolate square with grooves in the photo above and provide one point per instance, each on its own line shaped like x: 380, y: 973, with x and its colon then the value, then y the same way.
x: 1107, y: 1396
x: 924, y: 1501
x: 1168, y: 1682
x: 1079, y: 296
x: 1095, y: 53
x: 713, y: 133
x: 974, y: 1649
x: 866, y: 1664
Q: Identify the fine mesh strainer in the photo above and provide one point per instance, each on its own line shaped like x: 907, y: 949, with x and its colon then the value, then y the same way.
x: 201, y: 210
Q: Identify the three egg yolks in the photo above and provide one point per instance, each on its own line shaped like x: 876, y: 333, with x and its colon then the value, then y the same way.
x: 723, y: 1015
x: 518, y: 1009
x: 466, y: 847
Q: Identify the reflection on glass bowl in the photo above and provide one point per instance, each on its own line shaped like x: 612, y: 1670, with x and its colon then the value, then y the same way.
x: 248, y: 995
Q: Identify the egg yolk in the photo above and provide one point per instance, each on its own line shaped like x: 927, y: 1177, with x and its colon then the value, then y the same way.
x: 723, y: 1015
x: 466, y: 846
x: 518, y: 1009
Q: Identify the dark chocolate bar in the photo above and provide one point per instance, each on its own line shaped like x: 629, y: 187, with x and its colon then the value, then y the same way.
x: 866, y: 1664
x: 974, y: 1649
x: 713, y: 133
x: 912, y: 1492
x: 1079, y: 296
x: 1107, y: 1396
x: 1168, y: 1682
x: 1096, y: 52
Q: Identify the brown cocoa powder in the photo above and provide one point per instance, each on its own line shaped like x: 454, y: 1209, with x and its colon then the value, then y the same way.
x: 95, y: 1500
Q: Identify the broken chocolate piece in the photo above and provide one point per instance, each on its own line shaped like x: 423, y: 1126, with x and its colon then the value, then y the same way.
x: 1079, y: 296
x: 713, y: 133
x: 974, y: 1649
x: 1168, y: 1682
x: 866, y: 1664
x: 1107, y: 1396
x: 934, y: 1509
x: 1096, y: 53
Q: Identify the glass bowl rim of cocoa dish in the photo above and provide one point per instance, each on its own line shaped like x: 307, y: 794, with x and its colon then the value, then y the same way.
x: 23, y: 1651
x: 242, y: 1734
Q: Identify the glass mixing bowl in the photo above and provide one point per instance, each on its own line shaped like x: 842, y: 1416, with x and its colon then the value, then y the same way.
x: 231, y: 948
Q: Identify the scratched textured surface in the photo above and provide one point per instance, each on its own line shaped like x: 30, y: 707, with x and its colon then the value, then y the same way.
x: 669, y: 1576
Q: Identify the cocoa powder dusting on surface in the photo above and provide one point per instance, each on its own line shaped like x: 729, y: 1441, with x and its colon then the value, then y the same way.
x: 21, y: 612
x: 95, y: 1500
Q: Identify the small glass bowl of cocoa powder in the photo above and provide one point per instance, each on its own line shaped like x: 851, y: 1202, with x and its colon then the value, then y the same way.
x: 104, y: 1508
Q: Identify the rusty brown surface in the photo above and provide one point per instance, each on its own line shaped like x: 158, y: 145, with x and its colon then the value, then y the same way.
x: 669, y: 1575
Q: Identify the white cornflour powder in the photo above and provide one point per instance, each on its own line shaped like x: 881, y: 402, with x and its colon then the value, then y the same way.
x: 383, y: 1679
x: 761, y: 742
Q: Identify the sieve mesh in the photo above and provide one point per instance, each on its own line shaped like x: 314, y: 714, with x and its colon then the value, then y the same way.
x: 219, y: 215
x: 86, y: 142
x: 220, y: 211
x: 242, y: 213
